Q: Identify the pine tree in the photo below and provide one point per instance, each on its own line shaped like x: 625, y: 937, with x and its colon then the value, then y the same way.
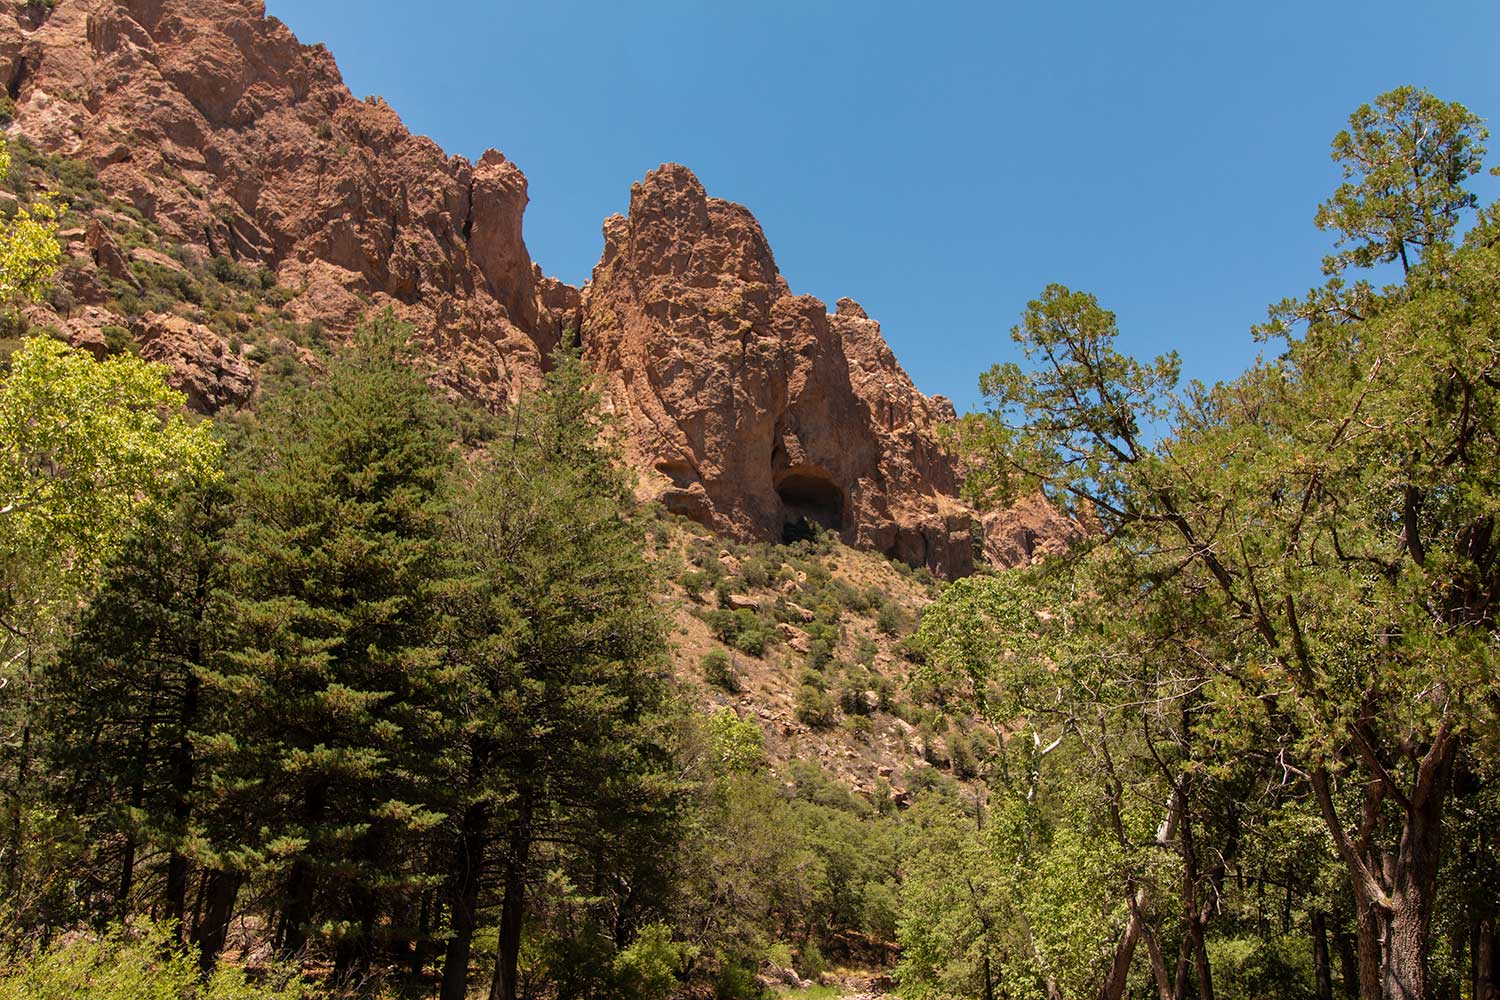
x: 338, y: 739
x: 563, y: 651
x: 123, y: 698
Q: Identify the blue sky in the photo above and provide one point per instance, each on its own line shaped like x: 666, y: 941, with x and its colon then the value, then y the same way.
x: 939, y: 162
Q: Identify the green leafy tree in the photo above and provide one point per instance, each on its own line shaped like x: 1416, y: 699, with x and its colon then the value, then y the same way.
x: 29, y: 251
x: 1330, y: 513
x: 89, y: 450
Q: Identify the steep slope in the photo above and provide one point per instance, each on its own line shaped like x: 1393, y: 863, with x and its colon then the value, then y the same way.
x: 220, y: 143
x: 217, y: 125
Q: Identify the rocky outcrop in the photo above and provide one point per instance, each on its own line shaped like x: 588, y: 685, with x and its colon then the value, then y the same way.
x: 213, y: 121
x: 202, y: 365
x: 748, y: 408
x: 751, y: 409
x: 1028, y: 530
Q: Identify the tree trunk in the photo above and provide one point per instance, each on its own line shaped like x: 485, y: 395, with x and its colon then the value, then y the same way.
x: 513, y: 907
x: 127, y: 852
x: 218, y: 908
x: 1414, y: 878
x: 1348, y: 964
x: 182, y: 789
x: 1119, y: 968
x: 1321, y: 970
x: 468, y: 866
x: 301, y: 884
x: 1486, y: 962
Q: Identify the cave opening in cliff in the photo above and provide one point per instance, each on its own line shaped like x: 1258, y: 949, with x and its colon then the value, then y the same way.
x: 809, y: 500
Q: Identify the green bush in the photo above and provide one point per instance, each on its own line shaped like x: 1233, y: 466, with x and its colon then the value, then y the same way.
x: 743, y: 629
x: 891, y: 619
x: 647, y: 968
x: 812, y: 964
x: 757, y: 573
x: 117, y: 339
x: 719, y: 671
x: 853, y: 701
x: 139, y: 962
x: 965, y: 763
x: 694, y: 583
x: 737, y: 745
x: 814, y: 708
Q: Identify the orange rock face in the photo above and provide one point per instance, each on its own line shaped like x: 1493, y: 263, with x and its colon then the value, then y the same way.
x: 237, y: 140
x: 748, y: 408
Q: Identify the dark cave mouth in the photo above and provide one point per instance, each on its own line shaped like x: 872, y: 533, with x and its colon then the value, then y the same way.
x: 809, y: 500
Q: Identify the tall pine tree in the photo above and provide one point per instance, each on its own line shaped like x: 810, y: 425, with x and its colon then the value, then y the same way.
x: 338, y: 741
x: 562, y: 645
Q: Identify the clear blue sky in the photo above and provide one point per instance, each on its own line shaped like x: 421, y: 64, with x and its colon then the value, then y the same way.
x: 938, y: 162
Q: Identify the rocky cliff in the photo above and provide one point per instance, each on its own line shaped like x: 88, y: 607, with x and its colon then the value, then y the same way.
x: 752, y: 409
x: 748, y: 408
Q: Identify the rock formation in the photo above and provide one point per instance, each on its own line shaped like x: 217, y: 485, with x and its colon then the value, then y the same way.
x: 747, y: 407
x: 213, y: 121
x: 750, y: 408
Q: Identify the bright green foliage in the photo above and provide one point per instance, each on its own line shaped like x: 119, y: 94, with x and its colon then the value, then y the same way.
x: 735, y: 745
x: 648, y: 967
x: 86, y: 449
x: 29, y: 251
x: 138, y: 963
x: 338, y: 740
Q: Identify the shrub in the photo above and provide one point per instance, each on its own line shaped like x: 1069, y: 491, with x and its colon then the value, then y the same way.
x: 719, y: 671
x: 743, y: 629
x: 139, y: 962
x: 813, y: 964
x: 694, y: 583
x: 965, y: 763
x: 647, y: 967
x: 737, y: 745
x: 814, y: 707
x: 757, y: 573
x: 117, y: 339
x: 891, y: 619
x: 853, y: 701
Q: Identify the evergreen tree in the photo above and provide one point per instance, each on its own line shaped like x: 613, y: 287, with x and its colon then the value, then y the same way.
x: 122, y: 700
x: 562, y: 646
x: 338, y: 739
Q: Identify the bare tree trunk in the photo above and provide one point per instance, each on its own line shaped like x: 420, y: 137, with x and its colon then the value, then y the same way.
x: 468, y: 866
x: 1321, y: 970
x: 513, y: 906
